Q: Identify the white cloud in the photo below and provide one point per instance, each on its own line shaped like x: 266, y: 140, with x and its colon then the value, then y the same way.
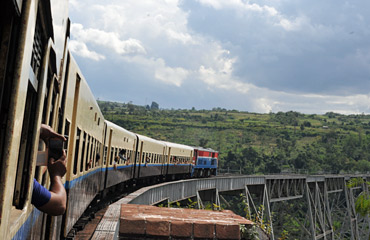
x: 110, y: 40
x: 169, y: 75
x: 275, y: 51
x: 238, y: 5
x: 80, y: 49
x: 219, y: 72
x: 158, y: 68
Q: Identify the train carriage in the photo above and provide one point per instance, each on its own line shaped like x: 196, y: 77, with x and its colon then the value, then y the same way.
x: 119, y: 154
x: 179, y: 160
x: 150, y: 160
x: 85, y: 124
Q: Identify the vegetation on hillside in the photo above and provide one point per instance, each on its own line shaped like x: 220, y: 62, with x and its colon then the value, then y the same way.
x: 257, y: 143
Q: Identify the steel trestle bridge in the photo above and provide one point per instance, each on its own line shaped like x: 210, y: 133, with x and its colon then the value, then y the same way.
x: 325, y: 199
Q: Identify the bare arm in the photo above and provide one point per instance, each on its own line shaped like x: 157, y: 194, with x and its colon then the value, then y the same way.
x: 58, y: 200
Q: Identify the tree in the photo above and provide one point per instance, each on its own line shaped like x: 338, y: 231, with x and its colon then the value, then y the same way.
x: 203, y: 142
x: 362, y: 204
x: 154, y: 106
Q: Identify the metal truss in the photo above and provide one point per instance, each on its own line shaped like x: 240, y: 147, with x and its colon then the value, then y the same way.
x: 327, y: 204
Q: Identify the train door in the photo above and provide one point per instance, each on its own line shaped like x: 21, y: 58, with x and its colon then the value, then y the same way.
x: 109, y: 156
x: 139, y: 159
x: 168, y: 160
x: 162, y: 161
x: 103, y: 153
x: 133, y: 157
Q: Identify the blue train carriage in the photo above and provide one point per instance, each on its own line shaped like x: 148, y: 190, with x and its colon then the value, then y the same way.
x: 179, y: 160
x: 31, y: 93
x: 150, y: 160
x: 205, y: 162
x: 119, y: 154
x: 85, y: 126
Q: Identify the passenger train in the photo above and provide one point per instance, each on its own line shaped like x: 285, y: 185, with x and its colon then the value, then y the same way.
x: 40, y: 82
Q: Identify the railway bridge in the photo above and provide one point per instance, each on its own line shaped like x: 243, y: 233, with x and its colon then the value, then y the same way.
x: 325, y: 199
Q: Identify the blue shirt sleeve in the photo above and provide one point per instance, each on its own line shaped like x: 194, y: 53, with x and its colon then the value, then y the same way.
x: 40, y: 195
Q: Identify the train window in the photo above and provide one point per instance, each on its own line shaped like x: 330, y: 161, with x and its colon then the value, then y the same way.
x: 92, y: 155
x: 23, y: 177
x: 88, y: 153
x: 64, y: 96
x: 66, y: 131
x: 83, y: 151
x: 97, y: 154
x: 8, y: 37
x: 115, y: 155
x: 111, y: 156
x: 96, y: 116
x: 105, y: 155
x: 54, y: 93
x: 77, y: 147
x: 98, y: 121
x: 213, y: 162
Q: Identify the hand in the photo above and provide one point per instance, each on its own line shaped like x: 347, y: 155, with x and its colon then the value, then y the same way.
x: 46, y: 132
x: 57, y: 167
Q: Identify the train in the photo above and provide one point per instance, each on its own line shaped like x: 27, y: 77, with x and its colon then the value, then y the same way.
x: 41, y: 83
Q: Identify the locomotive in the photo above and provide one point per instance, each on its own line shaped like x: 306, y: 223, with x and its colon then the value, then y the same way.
x: 40, y: 82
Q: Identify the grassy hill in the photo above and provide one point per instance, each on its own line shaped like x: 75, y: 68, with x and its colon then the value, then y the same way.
x: 257, y: 143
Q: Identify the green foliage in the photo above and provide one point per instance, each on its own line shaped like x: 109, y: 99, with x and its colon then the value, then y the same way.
x: 362, y: 204
x: 252, y: 143
x: 284, y: 235
x: 257, y: 217
x: 249, y: 232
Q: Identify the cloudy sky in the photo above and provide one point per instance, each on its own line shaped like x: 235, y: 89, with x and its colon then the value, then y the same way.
x: 257, y: 56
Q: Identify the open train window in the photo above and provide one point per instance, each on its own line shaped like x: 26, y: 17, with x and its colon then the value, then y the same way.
x: 63, y: 102
x: 97, y: 152
x: 8, y: 36
x: 111, y: 156
x: 23, y: 177
x: 54, y: 93
x: 88, y: 152
x: 66, y: 131
x: 83, y: 152
x: 105, y: 155
x: 77, y: 148
x: 92, y: 157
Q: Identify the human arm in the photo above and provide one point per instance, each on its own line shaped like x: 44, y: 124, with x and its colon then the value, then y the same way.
x: 58, y: 200
x: 46, y: 132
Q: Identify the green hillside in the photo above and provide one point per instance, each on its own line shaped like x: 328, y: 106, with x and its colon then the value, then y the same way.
x: 257, y: 143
